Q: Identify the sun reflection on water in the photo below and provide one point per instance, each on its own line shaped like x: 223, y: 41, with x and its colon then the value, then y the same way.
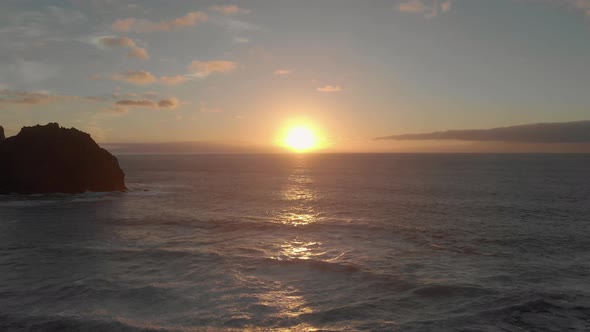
x: 298, y: 188
x: 297, y: 206
x: 298, y: 197
x: 289, y: 303
x: 297, y: 249
x: 297, y: 218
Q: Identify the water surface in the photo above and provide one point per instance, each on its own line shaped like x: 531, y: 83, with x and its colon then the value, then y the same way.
x: 307, y: 242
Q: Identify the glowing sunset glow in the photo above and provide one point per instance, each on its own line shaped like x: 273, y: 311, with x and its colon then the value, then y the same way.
x: 236, y: 76
x: 301, y: 139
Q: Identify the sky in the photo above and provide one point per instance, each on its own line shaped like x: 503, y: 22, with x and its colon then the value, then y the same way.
x: 239, y: 73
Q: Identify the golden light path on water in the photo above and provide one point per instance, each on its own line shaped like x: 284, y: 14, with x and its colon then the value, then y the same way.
x: 297, y: 197
x: 298, y: 194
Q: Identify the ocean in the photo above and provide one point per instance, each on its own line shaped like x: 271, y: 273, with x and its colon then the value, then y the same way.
x: 310, y: 242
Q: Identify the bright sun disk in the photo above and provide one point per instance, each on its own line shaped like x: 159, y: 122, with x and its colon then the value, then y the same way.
x: 301, y: 139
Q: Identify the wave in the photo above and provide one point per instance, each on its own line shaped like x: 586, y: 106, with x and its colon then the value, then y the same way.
x: 130, y: 254
x: 74, y: 324
x: 19, y: 201
x: 440, y: 291
x: 312, y: 264
x: 542, y: 312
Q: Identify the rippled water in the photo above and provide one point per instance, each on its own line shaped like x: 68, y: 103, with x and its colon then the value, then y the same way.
x: 307, y: 242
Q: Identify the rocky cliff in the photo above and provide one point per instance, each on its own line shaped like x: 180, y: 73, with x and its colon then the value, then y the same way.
x: 52, y: 159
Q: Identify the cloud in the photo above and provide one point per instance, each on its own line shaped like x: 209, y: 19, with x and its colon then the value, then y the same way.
x: 283, y: 72
x: 583, y: 5
x: 136, y: 103
x: 446, y: 6
x: 169, y: 103
x: 229, y: 10
x: 429, y: 8
x: 29, y: 98
x: 197, y: 69
x: 142, y: 77
x: 241, y: 40
x: 38, y: 98
x: 330, y: 88
x: 139, y: 53
x: 116, y: 42
x: 565, y: 132
x: 122, y: 106
x: 234, y: 25
x: 134, y: 52
x: 173, y: 80
x: 206, y: 68
x: 135, y: 77
x: 190, y: 19
x: 132, y: 24
x: 432, y: 8
x: 413, y: 6
x: 124, y: 25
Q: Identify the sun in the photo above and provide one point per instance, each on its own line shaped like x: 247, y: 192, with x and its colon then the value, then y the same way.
x: 301, y: 139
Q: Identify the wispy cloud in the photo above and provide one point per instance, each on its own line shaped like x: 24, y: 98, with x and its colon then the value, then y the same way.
x: 283, y: 72
x: 196, y: 69
x: 446, y: 6
x: 140, y: 77
x: 132, y: 24
x: 42, y: 98
x: 582, y: 5
x: 139, y: 53
x: 413, y: 6
x: 173, y: 80
x: 428, y: 8
x: 330, y: 88
x: 169, y: 103
x: 241, y: 40
x: 110, y: 41
x: 432, y: 8
x: 206, y: 68
x: 135, y: 103
x: 565, y: 132
x: 134, y: 50
x: 229, y: 10
x: 30, y: 98
x: 123, y: 106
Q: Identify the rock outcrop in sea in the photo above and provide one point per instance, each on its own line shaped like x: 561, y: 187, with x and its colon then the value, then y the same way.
x: 52, y: 159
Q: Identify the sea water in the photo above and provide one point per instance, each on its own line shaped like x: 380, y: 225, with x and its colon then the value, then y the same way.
x: 306, y: 242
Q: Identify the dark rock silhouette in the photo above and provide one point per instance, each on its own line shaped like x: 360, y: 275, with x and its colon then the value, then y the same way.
x: 51, y: 159
x: 2, y: 137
